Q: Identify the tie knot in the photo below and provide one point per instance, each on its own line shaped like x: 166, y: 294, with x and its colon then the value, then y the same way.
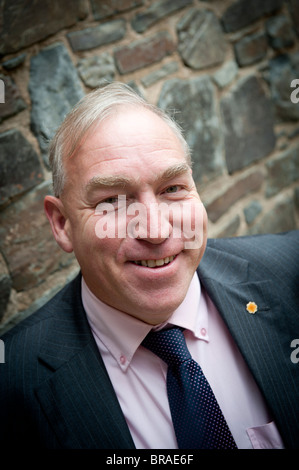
x: 169, y: 345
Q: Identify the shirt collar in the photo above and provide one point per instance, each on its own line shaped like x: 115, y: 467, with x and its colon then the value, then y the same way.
x: 122, y: 334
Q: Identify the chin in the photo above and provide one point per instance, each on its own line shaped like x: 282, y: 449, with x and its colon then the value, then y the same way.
x: 155, y: 312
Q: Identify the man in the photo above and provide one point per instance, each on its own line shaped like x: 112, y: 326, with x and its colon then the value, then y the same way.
x: 76, y: 374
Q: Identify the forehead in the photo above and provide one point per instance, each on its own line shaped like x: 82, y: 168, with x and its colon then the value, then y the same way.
x: 131, y: 127
x: 129, y: 141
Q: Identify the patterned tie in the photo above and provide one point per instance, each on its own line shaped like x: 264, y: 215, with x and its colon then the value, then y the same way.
x: 197, y: 418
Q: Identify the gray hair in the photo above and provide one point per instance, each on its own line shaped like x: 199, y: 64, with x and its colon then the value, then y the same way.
x: 95, y: 107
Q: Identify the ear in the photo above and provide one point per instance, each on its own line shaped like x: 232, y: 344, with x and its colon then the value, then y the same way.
x: 55, y: 212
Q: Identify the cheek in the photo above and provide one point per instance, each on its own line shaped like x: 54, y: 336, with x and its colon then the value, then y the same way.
x: 90, y: 242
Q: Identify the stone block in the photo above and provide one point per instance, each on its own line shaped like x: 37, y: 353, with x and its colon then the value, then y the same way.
x: 143, y: 52
x: 54, y: 88
x: 5, y: 286
x: 248, y: 123
x: 224, y: 200
x: 296, y: 198
x: 97, y: 36
x: 13, y: 102
x: 15, y: 62
x: 282, y: 171
x: 251, y: 211
x: 226, y: 74
x: 20, y: 168
x: 27, y: 242
x: 156, y: 11
x: 97, y: 70
x: 280, y: 218
x: 242, y: 13
x: 280, y: 32
x: 159, y: 74
x: 194, y: 105
x: 105, y: 8
x: 201, y: 41
x: 294, y: 13
x: 25, y: 22
x: 251, y: 49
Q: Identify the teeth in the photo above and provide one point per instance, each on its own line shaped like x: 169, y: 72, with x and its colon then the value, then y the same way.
x: 152, y: 263
x: 160, y: 262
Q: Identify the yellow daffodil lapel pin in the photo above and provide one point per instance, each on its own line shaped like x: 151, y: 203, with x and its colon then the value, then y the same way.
x: 251, y: 307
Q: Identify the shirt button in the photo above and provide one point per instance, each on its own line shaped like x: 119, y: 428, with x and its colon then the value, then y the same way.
x: 123, y: 360
x: 203, y: 331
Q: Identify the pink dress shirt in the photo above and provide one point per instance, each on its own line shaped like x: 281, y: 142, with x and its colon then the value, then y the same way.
x: 138, y: 376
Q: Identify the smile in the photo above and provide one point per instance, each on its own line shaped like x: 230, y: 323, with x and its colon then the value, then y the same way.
x: 153, y: 263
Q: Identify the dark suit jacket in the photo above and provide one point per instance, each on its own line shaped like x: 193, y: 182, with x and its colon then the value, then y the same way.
x: 54, y: 388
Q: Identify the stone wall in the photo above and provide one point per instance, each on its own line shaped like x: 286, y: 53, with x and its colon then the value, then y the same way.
x: 225, y: 67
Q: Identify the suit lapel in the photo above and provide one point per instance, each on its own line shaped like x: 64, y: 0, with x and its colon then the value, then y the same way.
x: 78, y: 398
x: 263, y: 338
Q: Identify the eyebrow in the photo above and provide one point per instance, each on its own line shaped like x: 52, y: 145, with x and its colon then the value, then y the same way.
x: 98, y: 182
x: 174, y: 170
x: 107, y: 181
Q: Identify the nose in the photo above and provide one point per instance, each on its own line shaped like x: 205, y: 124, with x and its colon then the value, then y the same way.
x: 153, y: 223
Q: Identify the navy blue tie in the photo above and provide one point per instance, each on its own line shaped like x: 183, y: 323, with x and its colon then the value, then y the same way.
x: 197, y: 418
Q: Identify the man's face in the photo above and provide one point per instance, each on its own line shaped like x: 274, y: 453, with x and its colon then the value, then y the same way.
x: 133, y: 154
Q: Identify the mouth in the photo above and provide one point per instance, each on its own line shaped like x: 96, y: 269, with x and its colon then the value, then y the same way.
x: 155, y: 263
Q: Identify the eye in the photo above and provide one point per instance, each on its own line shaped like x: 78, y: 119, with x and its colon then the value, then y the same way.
x: 110, y: 200
x: 172, y: 189
x: 108, y: 205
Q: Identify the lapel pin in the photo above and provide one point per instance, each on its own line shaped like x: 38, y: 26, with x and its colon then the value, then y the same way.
x: 251, y: 307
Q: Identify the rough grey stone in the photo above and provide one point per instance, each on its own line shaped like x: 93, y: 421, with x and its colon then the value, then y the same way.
x: 280, y: 218
x: 283, y: 69
x: 105, y: 8
x: 27, y: 242
x: 157, y: 10
x: 195, y: 108
x: 296, y: 198
x: 96, y: 70
x: 248, y: 124
x: 294, y: 13
x: 242, y: 13
x: 282, y: 171
x: 252, y: 211
x: 96, y: 36
x: 20, y: 168
x: 280, y: 32
x: 251, y: 49
x: 5, y: 286
x: 25, y: 22
x: 54, y: 89
x: 157, y: 75
x: 13, y: 102
x: 226, y: 74
x: 201, y: 41
x: 14, y: 62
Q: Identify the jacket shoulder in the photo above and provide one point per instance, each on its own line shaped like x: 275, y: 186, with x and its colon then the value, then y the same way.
x: 277, y: 249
